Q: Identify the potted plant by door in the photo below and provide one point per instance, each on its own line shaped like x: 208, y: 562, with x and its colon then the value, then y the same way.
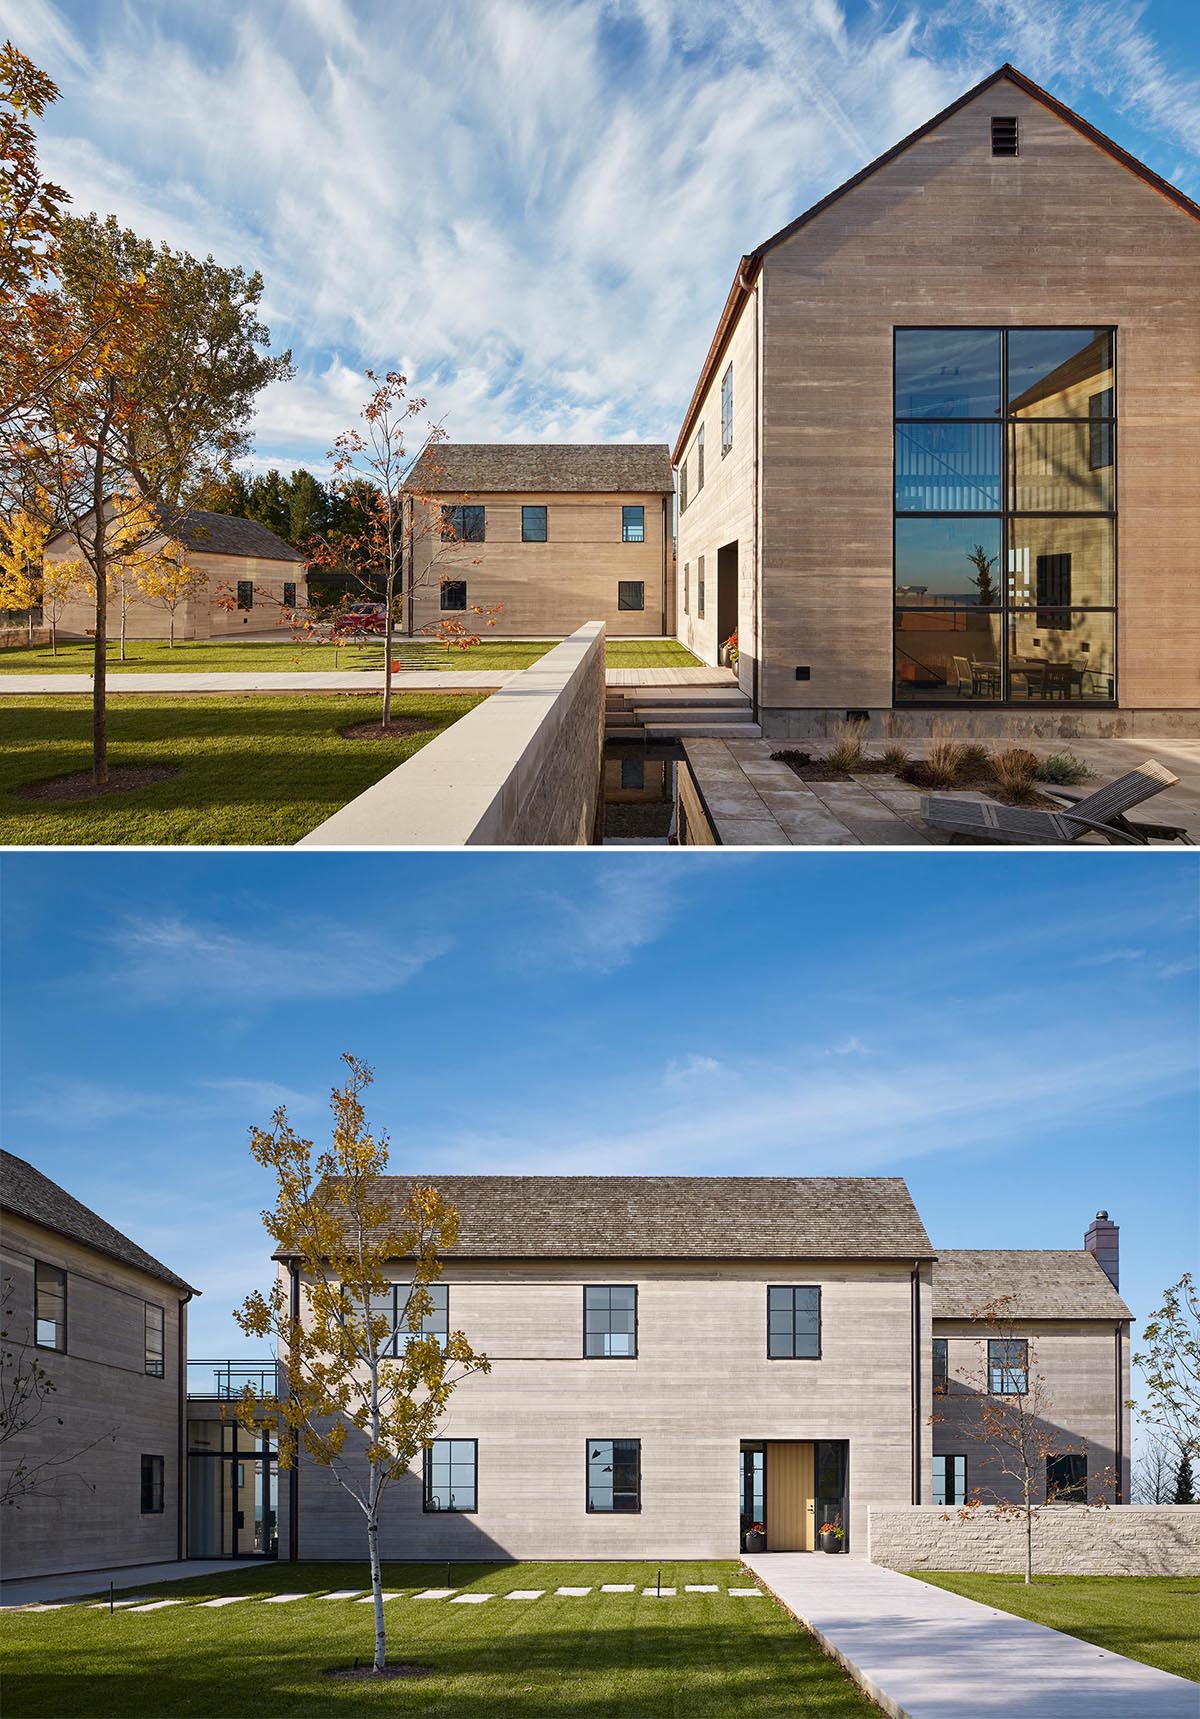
x: 728, y: 654
x: 831, y: 1535
x: 756, y: 1538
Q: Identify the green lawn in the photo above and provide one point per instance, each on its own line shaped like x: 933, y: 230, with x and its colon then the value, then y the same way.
x: 258, y: 770
x: 153, y: 656
x: 605, y: 1656
x: 1151, y: 1618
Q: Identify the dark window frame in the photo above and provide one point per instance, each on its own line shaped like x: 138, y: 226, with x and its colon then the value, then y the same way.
x: 624, y: 585
x: 535, y: 507
x: 1005, y: 135
x: 153, y: 1484
x: 245, y: 594
x: 727, y: 409
x: 453, y: 608
x: 1068, y: 1491
x: 791, y: 1289
x: 57, y: 1347
x: 153, y: 1372
x: 429, y: 1509
x: 945, y: 1457
x: 941, y: 1366
x: 594, y: 1509
x: 1005, y: 1368
x: 1006, y: 612
x: 1100, y: 428
x: 587, y: 1287
x: 289, y: 586
x: 460, y: 529
x: 391, y: 1349
x: 636, y: 527
x: 700, y: 587
x: 687, y: 581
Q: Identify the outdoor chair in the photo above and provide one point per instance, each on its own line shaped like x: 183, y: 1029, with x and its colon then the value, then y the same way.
x: 1102, y: 811
x: 959, y: 678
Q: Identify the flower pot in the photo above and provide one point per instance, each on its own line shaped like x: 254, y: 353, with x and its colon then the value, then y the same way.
x: 830, y: 1543
x: 755, y: 1542
x: 723, y: 656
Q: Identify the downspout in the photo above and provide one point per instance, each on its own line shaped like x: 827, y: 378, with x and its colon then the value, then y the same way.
x: 1119, y: 1442
x: 666, y: 526
x: 294, y: 1470
x: 181, y: 1343
x: 915, y: 1279
x: 755, y: 573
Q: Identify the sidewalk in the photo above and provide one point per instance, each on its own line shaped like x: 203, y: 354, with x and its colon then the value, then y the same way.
x: 40, y: 1590
x: 924, y: 1653
x: 343, y: 680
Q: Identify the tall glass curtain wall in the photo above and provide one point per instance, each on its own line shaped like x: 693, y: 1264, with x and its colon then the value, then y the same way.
x: 233, y: 1492
x: 1005, y: 515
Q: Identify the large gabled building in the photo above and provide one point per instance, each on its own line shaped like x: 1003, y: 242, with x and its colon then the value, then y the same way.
x: 942, y: 451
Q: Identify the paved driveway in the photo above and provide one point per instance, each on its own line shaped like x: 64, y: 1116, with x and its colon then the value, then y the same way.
x: 923, y: 1653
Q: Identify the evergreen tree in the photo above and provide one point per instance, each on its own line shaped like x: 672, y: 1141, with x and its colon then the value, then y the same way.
x: 1185, y: 1485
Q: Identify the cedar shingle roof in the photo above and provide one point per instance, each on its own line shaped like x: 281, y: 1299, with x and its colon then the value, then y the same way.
x: 225, y: 534
x: 25, y: 1192
x: 1047, y: 1283
x: 680, y: 1217
x: 544, y: 468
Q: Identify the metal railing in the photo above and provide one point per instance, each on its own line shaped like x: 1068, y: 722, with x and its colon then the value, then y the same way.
x: 226, y: 1380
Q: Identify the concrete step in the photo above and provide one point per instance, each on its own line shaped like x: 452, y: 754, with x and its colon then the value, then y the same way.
x: 693, y: 713
x: 710, y: 697
x: 702, y: 730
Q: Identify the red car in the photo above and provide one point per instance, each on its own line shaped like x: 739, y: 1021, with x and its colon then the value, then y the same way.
x: 359, y: 620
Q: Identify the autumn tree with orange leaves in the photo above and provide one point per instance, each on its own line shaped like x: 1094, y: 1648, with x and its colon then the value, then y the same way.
x: 366, y: 1383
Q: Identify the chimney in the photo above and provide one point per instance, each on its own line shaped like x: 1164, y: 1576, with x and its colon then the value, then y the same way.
x: 1103, y: 1242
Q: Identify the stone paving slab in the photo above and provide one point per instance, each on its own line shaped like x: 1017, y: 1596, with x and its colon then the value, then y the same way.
x: 924, y: 1653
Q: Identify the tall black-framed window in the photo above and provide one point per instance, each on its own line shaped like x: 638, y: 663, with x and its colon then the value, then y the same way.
x: 633, y: 524
x: 533, y: 524
x: 727, y: 411
x: 610, y: 1321
x: 949, y: 1480
x: 794, y: 1322
x: 452, y: 1475
x: 1005, y: 516
x: 614, y: 1475
x: 1066, y: 1479
x: 454, y: 594
x: 391, y: 1304
x: 941, y: 1366
x: 464, y: 523
x: 1008, y: 1366
x: 289, y: 593
x: 154, y: 1340
x: 245, y: 593
x: 50, y: 1306
x: 152, y: 1485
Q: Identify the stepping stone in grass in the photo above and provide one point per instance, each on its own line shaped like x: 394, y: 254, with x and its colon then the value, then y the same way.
x: 156, y: 1606
x: 701, y: 1588
x: 470, y: 1599
x: 745, y: 1593
x: 617, y: 1588
x: 102, y: 1605
x: 659, y: 1593
x: 48, y: 1606
x: 284, y: 1599
x: 369, y: 1599
x: 525, y: 1594
x: 227, y: 1600
x: 574, y: 1593
x: 434, y: 1594
x: 343, y: 1594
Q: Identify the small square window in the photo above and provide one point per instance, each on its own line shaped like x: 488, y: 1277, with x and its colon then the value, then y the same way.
x: 1066, y: 1479
x: 633, y: 525
x: 794, y: 1322
x: 533, y: 525
x: 610, y: 1322
x: 1005, y: 136
x: 631, y: 594
x: 152, y: 1485
x: 245, y: 593
x: 454, y: 594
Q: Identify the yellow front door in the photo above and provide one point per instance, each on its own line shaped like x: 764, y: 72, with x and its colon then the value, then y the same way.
x: 790, y: 1497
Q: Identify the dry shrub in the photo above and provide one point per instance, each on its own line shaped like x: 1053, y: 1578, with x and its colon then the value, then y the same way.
x: 848, y: 752
x: 895, y: 756
x: 944, y: 761
x: 1064, y: 768
x: 975, y: 760
x: 1015, y: 770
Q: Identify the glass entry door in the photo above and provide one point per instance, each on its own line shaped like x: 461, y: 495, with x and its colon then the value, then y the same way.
x: 233, y: 1493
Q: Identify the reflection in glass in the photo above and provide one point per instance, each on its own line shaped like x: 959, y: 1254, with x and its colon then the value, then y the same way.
x: 1052, y: 470
x: 947, y: 468
x: 947, y: 372
x: 1054, y: 563
x: 1058, y: 372
x: 949, y: 656
x: 948, y: 561
x: 1062, y: 654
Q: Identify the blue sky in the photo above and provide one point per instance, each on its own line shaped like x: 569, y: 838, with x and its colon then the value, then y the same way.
x: 535, y: 207
x: 1014, y: 1034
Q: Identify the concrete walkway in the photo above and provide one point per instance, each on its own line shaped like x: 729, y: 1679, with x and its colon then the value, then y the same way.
x: 341, y: 680
x: 40, y: 1589
x: 923, y: 1653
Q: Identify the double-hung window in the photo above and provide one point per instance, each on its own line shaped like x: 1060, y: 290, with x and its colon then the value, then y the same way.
x: 1008, y: 1366
x: 452, y: 1474
x: 794, y: 1322
x: 610, y: 1321
x: 154, y: 1340
x: 152, y: 1485
x: 949, y: 1480
x: 50, y: 1296
x: 614, y: 1475
x: 533, y: 524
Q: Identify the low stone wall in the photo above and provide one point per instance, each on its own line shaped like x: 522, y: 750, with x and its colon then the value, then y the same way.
x: 521, y: 769
x: 1068, y: 1540
x: 1038, y: 722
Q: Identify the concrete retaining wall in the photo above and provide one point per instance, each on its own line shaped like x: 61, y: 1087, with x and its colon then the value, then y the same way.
x: 523, y: 768
x: 1068, y: 1540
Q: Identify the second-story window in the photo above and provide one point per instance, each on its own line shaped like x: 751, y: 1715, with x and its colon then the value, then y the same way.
x: 610, y: 1321
x: 633, y: 525
x: 1008, y: 1366
x: 727, y: 411
x: 154, y: 1340
x: 533, y: 525
x: 699, y: 459
x: 392, y: 1303
x: 463, y: 524
x: 941, y: 1365
x: 794, y: 1322
x: 614, y: 1474
x: 683, y: 496
x: 50, y: 1296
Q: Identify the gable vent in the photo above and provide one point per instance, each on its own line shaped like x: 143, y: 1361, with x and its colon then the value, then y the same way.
x: 1004, y: 137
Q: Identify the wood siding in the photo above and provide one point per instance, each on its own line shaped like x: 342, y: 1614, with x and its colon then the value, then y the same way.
x: 200, y: 617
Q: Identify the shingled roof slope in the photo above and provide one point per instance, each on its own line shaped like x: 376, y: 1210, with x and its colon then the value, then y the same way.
x: 544, y: 468
x: 25, y: 1192
x: 1046, y: 1283
x: 226, y: 534
x: 679, y: 1217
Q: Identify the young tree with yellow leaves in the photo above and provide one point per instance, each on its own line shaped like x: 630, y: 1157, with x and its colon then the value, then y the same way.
x: 22, y: 546
x: 366, y: 1392
x: 171, y: 583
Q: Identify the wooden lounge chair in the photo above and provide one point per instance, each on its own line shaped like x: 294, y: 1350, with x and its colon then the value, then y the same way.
x: 1102, y: 811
